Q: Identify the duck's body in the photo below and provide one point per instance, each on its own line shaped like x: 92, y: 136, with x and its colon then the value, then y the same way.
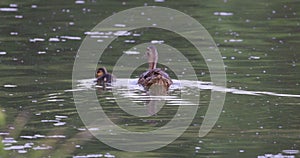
x: 154, y: 76
x: 103, y: 78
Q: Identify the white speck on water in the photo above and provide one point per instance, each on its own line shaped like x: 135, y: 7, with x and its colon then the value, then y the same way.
x: 19, y: 16
x: 79, y: 2
x: 129, y: 41
x: 254, y: 58
x: 10, y: 86
x: 61, y: 116
x: 9, y: 140
x: 159, y: 1
x: 3, y: 53
x: 136, y: 35
x: 71, y: 23
x: 54, y: 39
x: 290, y: 151
x: 55, y: 100
x: 56, y: 136
x: 197, y: 147
x: 122, y: 33
x: 77, y: 146
x: 120, y: 25
x: 33, y: 6
x: 273, y: 11
x: 108, y: 155
x: 36, y: 40
x: 41, y: 52
x: 131, y: 52
x: 13, y: 5
x: 241, y: 151
x: 22, y: 151
x: 41, y: 147
x: 235, y: 40
x: 4, y: 133
x: 88, y: 156
x: 14, y: 33
x: 8, y: 9
x: 59, y: 123
x: 49, y: 121
x: 71, y: 37
x: 33, y: 137
x: 15, y: 147
x: 157, y: 41
x: 223, y: 13
x: 93, y: 129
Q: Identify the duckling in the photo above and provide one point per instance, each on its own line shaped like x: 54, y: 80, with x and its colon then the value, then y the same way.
x: 154, y: 76
x: 103, y: 78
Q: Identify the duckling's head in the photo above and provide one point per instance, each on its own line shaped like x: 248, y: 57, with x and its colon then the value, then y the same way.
x: 100, y: 72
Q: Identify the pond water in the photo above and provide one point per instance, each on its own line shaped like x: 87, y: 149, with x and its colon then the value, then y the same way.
x: 259, y: 42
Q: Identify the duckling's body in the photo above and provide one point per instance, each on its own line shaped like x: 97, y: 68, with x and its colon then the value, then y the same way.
x: 154, y: 76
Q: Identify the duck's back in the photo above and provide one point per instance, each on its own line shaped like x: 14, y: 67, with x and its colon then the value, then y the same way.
x: 155, y: 76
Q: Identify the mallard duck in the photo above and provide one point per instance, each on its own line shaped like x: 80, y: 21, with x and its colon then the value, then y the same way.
x: 154, y: 76
x: 103, y: 78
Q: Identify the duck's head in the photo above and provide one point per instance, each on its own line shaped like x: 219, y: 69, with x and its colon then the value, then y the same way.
x: 152, y: 56
x: 100, y: 72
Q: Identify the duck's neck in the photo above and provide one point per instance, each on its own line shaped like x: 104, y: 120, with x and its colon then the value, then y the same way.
x: 152, y: 65
x: 152, y: 60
